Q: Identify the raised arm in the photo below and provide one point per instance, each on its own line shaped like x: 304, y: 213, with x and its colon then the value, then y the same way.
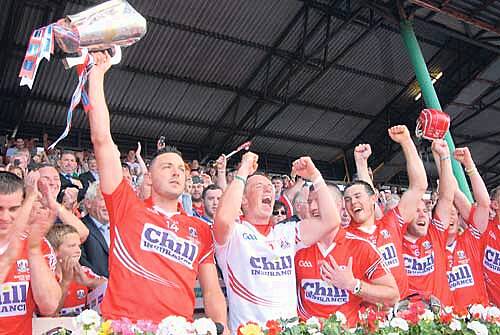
x: 361, y: 154
x: 106, y: 152
x: 230, y: 202
x: 313, y: 229
x: 144, y: 168
x: 221, y: 172
x: 447, y: 182
x: 415, y: 170
x: 482, y: 211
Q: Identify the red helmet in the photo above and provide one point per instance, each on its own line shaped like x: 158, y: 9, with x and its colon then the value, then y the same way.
x: 432, y: 124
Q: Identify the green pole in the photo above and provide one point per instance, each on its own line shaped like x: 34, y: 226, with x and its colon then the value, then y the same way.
x: 429, y: 95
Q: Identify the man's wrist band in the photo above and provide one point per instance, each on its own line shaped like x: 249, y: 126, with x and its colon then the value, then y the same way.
x: 242, y: 179
x: 445, y: 158
x: 357, y: 288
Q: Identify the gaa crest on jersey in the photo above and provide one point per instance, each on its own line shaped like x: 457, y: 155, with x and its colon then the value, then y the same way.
x: 460, y: 276
x: 193, y: 232
x: 22, y: 265
x: 416, y: 266
x: 491, y: 259
x: 390, y: 255
x: 319, y: 292
x: 167, y: 244
x: 427, y: 245
x: 385, y: 233
x: 305, y: 264
x: 13, y: 298
x: 80, y: 294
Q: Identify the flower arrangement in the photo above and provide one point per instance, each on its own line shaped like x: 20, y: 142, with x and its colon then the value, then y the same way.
x: 416, y: 320
x: 90, y: 323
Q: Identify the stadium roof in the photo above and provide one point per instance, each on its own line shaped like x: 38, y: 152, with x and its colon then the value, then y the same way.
x: 296, y: 77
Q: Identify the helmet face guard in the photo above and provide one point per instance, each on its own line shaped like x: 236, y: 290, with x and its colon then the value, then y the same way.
x: 432, y: 124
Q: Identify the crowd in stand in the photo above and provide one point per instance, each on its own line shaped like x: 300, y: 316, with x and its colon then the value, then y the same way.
x: 285, y: 245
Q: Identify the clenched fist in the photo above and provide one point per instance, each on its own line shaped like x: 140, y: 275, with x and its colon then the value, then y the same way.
x: 362, y: 152
x: 399, y: 134
x: 249, y: 164
x: 440, y: 147
x: 305, y: 168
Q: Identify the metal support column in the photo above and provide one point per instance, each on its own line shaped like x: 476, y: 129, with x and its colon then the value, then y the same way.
x: 430, y: 96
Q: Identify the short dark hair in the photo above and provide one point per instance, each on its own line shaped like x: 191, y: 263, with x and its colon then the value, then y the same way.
x: 276, y: 177
x: 68, y: 152
x: 167, y: 149
x: 211, y: 187
x: 495, y: 193
x: 10, y: 183
x: 126, y: 166
x: 278, y: 204
x: 368, y: 188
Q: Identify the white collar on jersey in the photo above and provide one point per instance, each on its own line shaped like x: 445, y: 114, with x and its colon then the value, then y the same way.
x: 3, y: 248
x: 164, y: 212
x: 368, y: 230
x: 326, y: 251
x: 451, y: 247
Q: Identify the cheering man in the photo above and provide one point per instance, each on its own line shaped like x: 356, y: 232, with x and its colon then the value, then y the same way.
x: 256, y: 257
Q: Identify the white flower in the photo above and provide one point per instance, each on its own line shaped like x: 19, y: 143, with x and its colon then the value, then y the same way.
x: 313, y: 322
x: 88, y: 319
x: 90, y: 332
x: 393, y: 334
x: 341, y: 317
x: 492, y: 312
x: 204, y: 326
x: 399, y: 323
x: 174, y: 325
x: 477, y: 327
x: 455, y: 325
x: 477, y: 309
x: 383, y: 324
x: 313, y: 331
x: 427, y: 315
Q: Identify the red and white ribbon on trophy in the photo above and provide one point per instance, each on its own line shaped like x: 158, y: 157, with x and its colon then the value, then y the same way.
x: 106, y: 26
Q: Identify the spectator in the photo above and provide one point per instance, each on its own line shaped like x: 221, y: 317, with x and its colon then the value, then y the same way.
x: 18, y: 146
x: 92, y: 175
x: 211, y: 196
x: 68, y: 175
x: 131, y: 161
x: 196, y: 192
x: 279, y: 212
x: 75, y: 280
x: 278, y: 186
x: 95, y: 250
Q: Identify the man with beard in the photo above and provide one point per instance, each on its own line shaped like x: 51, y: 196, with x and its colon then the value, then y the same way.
x: 196, y: 196
x: 360, y: 201
x: 211, y: 196
x: 424, y: 242
x: 155, y: 249
x: 257, y: 257
x: 463, y: 247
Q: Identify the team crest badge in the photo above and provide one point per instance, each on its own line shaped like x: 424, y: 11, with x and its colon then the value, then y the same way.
x: 385, y: 233
x: 416, y: 252
x: 192, y: 232
x: 22, y: 265
x: 80, y: 294
x: 427, y: 245
x: 284, y: 244
x: 461, y: 254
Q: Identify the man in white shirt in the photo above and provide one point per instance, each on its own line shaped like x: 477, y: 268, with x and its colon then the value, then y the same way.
x: 257, y: 257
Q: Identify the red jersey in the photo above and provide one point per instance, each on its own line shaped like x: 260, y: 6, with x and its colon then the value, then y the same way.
x: 425, y: 263
x: 17, y: 304
x: 288, y: 205
x: 76, y: 297
x: 153, y: 260
x: 464, y: 270
x: 388, y: 238
x: 491, y: 260
x: 318, y: 298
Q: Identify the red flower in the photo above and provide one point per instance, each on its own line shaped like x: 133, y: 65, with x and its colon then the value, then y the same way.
x: 446, y: 318
x: 461, y: 311
x: 410, y: 316
x: 273, y: 327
